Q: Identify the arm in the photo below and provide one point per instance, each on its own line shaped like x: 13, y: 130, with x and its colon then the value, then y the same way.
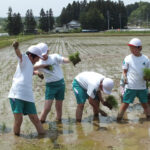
x: 40, y: 66
x: 40, y: 75
x: 100, y: 98
x: 66, y: 60
x: 95, y: 105
x: 17, y: 51
x: 125, y: 75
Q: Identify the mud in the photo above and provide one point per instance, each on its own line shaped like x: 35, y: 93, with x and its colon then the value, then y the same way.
x: 100, y: 54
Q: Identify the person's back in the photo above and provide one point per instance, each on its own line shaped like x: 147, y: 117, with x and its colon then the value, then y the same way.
x: 87, y: 78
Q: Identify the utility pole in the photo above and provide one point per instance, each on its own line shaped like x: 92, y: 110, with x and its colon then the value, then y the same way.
x: 108, y: 18
x: 120, y: 19
x: 147, y: 20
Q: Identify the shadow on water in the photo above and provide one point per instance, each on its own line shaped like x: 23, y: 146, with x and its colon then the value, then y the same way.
x: 53, y: 131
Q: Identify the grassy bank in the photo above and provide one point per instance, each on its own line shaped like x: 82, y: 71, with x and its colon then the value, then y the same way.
x: 6, y: 41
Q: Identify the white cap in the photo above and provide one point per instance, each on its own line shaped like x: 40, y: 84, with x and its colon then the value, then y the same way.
x: 135, y: 42
x: 43, y: 47
x: 35, y: 50
x: 108, y: 84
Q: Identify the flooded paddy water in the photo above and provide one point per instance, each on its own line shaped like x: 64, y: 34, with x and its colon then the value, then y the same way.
x: 100, y: 54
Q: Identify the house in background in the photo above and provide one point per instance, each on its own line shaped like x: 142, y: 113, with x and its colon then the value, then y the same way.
x: 68, y: 27
x: 73, y: 25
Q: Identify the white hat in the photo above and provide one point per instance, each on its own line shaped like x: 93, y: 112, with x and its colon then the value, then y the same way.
x: 135, y: 42
x: 35, y: 50
x: 108, y: 84
x: 43, y: 47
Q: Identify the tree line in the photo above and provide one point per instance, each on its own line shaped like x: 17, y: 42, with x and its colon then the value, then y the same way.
x: 100, y: 15
x: 15, y: 24
x: 139, y: 14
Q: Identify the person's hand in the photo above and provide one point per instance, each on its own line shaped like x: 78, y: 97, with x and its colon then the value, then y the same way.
x: 103, y: 113
x: 107, y: 104
x: 15, y: 44
x: 125, y: 80
x: 41, y: 76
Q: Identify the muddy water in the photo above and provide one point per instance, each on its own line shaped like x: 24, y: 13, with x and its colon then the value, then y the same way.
x: 100, y: 54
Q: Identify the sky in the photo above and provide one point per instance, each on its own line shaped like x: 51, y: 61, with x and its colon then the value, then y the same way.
x: 22, y: 6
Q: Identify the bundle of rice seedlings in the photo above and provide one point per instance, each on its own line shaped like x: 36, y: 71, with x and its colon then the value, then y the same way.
x: 49, y: 67
x: 41, y: 76
x: 74, y: 58
x: 111, y: 101
x: 146, y: 72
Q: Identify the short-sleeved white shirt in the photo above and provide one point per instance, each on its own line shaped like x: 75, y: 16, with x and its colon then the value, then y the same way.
x: 56, y: 73
x: 90, y: 81
x: 22, y: 81
x: 135, y: 66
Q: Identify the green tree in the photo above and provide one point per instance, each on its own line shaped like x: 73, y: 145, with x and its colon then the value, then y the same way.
x: 9, y: 22
x: 17, y: 24
x: 51, y: 19
x: 93, y: 19
x: 14, y: 24
x: 43, y: 24
x: 30, y: 23
x: 141, y: 15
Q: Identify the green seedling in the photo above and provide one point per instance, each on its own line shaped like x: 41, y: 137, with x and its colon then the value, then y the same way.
x: 146, y: 74
x: 74, y: 58
x: 41, y: 76
x: 111, y: 100
x: 3, y: 127
x: 49, y: 67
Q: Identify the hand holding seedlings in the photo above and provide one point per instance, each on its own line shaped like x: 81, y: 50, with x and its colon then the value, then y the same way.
x: 111, y: 102
x: 41, y: 76
x: 74, y: 58
x: 15, y: 44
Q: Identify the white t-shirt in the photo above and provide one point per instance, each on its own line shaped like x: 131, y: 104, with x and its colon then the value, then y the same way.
x: 90, y: 81
x: 56, y: 73
x: 135, y: 66
x: 22, y: 81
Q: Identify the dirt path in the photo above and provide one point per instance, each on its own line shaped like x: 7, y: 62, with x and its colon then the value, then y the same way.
x: 100, y: 54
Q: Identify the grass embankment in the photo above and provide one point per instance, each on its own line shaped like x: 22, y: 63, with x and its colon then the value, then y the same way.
x: 7, y: 40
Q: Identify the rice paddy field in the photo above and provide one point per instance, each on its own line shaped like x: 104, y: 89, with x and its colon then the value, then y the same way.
x: 100, y: 54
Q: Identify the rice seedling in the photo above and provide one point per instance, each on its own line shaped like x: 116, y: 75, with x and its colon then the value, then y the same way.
x: 41, y: 76
x: 146, y: 74
x: 3, y: 127
x: 74, y: 58
x: 49, y: 67
x: 111, y: 101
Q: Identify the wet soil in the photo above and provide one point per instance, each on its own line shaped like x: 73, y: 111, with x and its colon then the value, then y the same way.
x: 100, y: 54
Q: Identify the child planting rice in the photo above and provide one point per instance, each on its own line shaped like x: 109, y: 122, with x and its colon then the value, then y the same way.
x: 21, y: 94
x: 133, y: 66
x: 87, y: 85
x: 54, y: 78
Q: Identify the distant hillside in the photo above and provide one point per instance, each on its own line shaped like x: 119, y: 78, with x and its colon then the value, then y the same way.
x: 139, y: 14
